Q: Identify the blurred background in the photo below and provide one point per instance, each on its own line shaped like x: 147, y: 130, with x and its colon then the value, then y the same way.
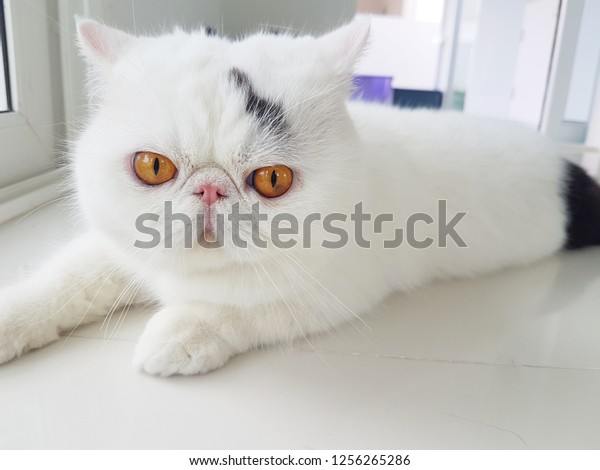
x: 532, y: 61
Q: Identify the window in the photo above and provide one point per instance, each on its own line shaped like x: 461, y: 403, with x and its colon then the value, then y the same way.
x: 532, y: 61
x: 31, y: 108
x: 5, y: 104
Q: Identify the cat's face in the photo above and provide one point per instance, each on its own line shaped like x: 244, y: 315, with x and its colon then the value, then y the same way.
x: 206, y: 124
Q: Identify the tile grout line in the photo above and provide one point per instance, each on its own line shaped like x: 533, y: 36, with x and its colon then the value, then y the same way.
x: 447, y: 361
x: 390, y: 356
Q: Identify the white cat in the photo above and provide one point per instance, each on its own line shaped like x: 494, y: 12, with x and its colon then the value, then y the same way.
x: 208, y: 124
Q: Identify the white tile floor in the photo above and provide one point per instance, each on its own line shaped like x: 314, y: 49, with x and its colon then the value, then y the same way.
x: 511, y: 360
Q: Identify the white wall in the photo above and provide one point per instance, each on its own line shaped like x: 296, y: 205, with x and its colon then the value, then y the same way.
x: 587, y: 55
x: 232, y: 17
x: 534, y: 57
x: 404, y: 49
x: 314, y: 16
x: 591, y: 161
x: 490, y: 79
x: 154, y: 16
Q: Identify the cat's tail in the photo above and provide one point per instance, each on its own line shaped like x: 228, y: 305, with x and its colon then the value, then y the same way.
x: 582, y: 203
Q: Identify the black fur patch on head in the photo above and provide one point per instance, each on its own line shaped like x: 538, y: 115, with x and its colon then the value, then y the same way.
x: 269, y: 114
x: 582, y: 200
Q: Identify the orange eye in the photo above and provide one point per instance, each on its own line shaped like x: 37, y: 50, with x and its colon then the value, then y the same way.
x: 272, y: 181
x: 153, y: 168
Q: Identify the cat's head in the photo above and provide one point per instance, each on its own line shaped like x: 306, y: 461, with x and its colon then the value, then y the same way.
x: 205, y: 123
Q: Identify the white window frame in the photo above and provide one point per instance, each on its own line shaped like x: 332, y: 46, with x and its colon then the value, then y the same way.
x: 559, y: 79
x: 30, y: 134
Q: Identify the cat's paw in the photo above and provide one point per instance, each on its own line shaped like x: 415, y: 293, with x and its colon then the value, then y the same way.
x: 180, y: 344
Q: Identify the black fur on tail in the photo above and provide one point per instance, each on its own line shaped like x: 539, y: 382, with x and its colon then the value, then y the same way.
x: 582, y: 198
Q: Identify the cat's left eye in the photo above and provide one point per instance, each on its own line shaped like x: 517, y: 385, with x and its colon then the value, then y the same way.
x: 153, y: 168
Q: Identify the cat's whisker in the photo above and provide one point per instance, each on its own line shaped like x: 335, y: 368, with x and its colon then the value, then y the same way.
x: 60, y: 198
x: 266, y: 297
x: 136, y: 285
x: 291, y: 310
x: 73, y: 297
x: 300, y: 301
x: 312, y: 287
x: 158, y: 256
x: 304, y: 335
x: 118, y: 303
x: 297, y: 263
x: 133, y: 17
x: 89, y: 306
x: 298, y: 285
x: 129, y: 303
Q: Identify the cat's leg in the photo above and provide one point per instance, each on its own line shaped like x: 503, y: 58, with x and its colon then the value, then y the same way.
x: 78, y: 285
x: 194, y: 338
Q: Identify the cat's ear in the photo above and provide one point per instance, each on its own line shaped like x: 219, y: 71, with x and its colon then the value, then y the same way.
x: 100, y: 44
x: 346, y: 44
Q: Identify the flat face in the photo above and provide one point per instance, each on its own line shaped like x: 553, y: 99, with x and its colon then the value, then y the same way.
x: 216, y: 112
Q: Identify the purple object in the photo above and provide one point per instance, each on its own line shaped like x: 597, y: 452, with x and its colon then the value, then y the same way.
x: 372, y: 88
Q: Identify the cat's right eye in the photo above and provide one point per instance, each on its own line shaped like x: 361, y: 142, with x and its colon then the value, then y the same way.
x: 153, y: 168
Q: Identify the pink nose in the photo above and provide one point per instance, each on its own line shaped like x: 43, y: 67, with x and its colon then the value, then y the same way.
x: 210, y: 193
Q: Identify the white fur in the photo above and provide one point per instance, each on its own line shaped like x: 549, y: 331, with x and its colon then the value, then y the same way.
x: 172, y: 95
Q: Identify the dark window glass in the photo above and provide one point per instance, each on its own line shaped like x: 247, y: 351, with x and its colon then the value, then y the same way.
x: 5, y: 104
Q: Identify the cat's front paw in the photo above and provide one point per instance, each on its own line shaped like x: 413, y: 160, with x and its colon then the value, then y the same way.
x: 176, y: 343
